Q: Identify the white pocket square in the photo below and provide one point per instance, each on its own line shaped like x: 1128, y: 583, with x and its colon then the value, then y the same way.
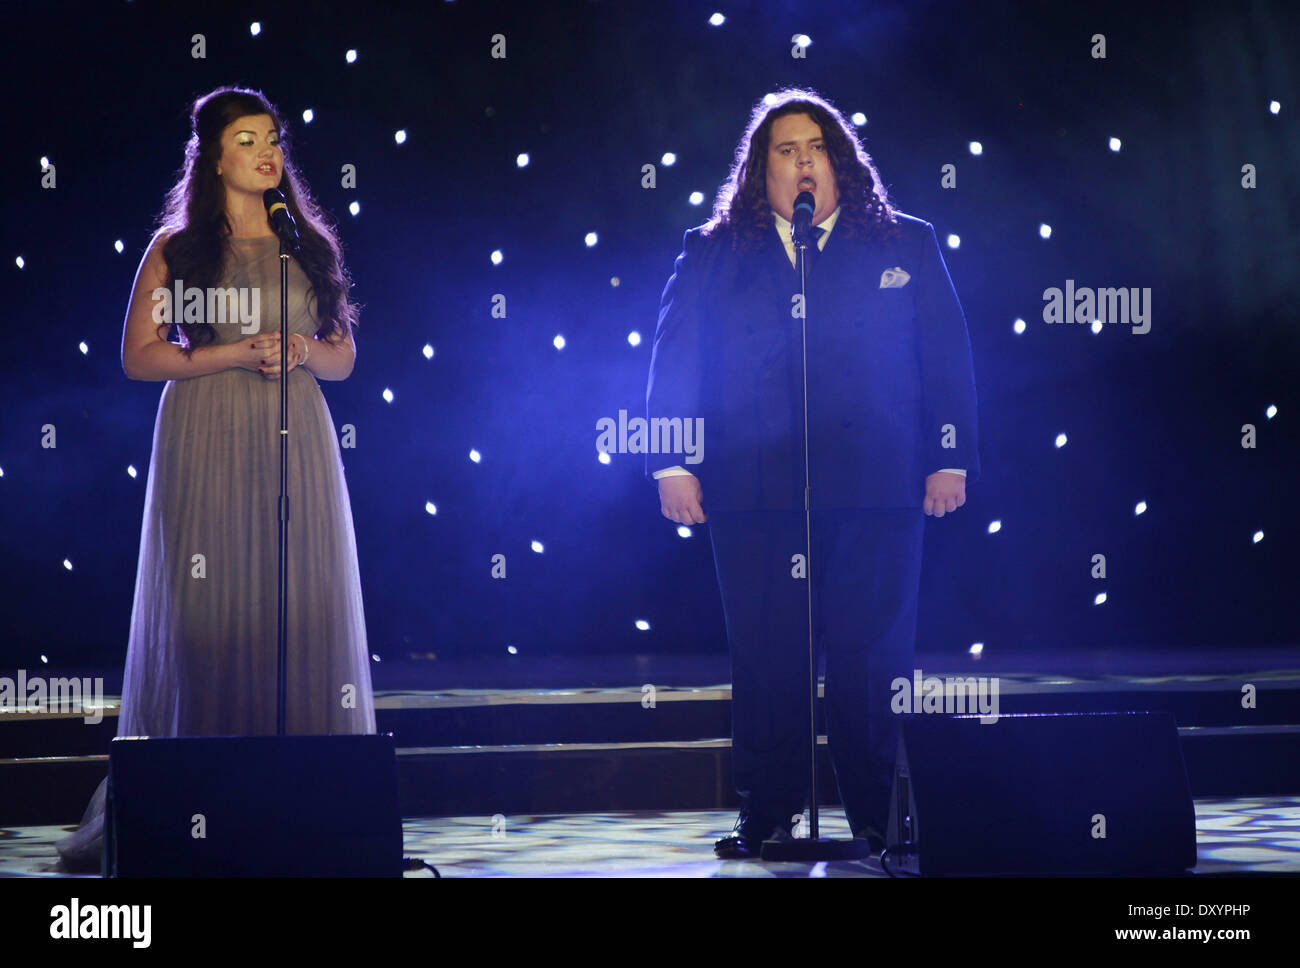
x: 895, y: 278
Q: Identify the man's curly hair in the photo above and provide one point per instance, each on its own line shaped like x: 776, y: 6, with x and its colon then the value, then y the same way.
x: 741, y: 206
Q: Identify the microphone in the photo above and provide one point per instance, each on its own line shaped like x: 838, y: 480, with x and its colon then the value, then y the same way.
x: 804, y: 205
x: 282, y: 223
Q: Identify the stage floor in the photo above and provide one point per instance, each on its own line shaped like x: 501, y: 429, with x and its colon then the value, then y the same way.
x: 1234, y: 836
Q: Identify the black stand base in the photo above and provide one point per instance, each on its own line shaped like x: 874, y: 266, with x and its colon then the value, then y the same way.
x: 808, y: 849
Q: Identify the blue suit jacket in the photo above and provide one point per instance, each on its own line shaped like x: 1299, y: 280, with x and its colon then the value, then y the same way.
x: 888, y: 370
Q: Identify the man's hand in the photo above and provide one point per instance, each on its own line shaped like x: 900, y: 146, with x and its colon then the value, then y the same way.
x: 943, y: 492
x: 680, y: 496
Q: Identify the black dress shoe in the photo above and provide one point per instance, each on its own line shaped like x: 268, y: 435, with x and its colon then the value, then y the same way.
x: 747, y: 836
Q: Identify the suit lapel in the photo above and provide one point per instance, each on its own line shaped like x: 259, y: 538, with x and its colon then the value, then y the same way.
x: 775, y: 256
x: 840, y: 259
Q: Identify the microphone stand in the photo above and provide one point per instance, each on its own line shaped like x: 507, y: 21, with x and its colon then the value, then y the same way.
x: 813, y: 847
x: 282, y: 591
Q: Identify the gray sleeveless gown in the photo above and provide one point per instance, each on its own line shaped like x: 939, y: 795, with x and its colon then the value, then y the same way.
x: 201, y: 660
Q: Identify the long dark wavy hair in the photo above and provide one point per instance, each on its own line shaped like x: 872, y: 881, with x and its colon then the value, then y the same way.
x: 195, y: 215
x: 741, y: 206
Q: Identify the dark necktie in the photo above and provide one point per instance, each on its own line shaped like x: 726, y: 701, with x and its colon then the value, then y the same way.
x: 813, y: 250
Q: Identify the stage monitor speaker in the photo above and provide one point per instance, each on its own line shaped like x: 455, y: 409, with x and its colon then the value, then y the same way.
x: 1061, y: 794
x: 253, y: 806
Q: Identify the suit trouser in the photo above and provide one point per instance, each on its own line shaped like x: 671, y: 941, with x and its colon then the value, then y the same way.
x: 866, y: 567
